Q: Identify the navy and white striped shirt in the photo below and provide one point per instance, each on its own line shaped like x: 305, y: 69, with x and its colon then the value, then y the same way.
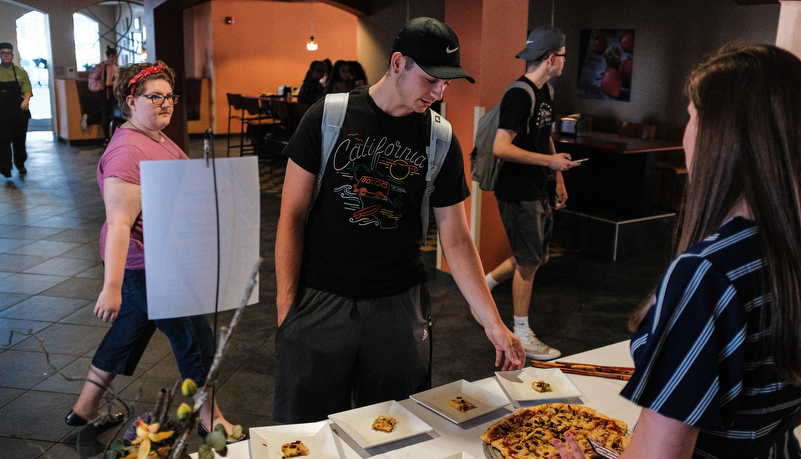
x: 700, y: 353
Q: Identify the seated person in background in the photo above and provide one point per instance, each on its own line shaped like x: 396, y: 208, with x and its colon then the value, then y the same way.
x: 341, y: 80
x: 311, y: 89
x: 359, y: 77
x: 717, y: 348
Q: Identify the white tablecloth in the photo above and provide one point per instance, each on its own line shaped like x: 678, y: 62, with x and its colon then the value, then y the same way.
x: 447, y: 439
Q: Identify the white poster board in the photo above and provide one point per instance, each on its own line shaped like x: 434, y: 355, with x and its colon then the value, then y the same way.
x: 180, y: 227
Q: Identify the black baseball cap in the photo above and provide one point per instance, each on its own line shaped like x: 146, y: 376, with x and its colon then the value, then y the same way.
x: 433, y: 46
x: 542, y: 40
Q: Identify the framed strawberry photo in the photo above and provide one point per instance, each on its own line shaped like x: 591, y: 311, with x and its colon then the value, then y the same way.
x: 606, y: 59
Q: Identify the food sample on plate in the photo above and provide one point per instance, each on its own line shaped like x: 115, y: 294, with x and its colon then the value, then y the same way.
x: 296, y: 448
x: 529, y: 433
x: 541, y: 386
x: 384, y: 423
x: 461, y: 405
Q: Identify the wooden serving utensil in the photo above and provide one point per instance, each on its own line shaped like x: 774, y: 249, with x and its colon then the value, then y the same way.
x: 586, y: 369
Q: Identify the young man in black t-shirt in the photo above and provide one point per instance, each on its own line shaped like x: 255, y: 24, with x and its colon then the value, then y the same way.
x: 521, y: 191
x: 353, y: 305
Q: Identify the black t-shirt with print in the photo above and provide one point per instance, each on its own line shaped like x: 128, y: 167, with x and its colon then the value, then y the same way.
x: 362, y: 233
x: 523, y: 182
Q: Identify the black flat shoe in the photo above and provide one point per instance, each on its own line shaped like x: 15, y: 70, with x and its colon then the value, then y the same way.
x: 6, y: 172
x: 22, y: 170
x: 74, y: 420
x: 201, y: 430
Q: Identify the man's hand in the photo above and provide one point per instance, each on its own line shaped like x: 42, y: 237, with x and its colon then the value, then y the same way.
x: 108, y: 305
x: 508, y: 348
x: 575, y: 451
x: 561, y: 162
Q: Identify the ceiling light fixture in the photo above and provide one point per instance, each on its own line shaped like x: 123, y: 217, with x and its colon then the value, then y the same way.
x: 312, y: 43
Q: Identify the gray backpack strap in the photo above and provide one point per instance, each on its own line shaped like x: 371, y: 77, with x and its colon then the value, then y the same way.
x: 437, y: 149
x: 527, y: 87
x: 333, y: 116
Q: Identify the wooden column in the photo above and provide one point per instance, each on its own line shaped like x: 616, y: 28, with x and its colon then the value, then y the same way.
x: 491, y: 33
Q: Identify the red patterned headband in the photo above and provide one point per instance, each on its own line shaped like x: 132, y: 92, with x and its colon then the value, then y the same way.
x: 141, y: 76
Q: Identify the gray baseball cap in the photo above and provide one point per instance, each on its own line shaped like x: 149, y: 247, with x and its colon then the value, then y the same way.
x: 542, y: 40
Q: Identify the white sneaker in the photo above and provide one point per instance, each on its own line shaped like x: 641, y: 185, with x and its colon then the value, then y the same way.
x: 475, y: 316
x: 536, y: 349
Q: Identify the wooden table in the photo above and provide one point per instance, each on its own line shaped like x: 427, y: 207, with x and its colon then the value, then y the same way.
x: 618, y: 178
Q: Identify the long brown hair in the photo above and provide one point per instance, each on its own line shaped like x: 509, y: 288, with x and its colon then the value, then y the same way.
x: 748, y: 149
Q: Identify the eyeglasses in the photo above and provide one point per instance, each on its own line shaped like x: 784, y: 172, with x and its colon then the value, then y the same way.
x: 6, y: 53
x: 561, y: 55
x: 158, y: 99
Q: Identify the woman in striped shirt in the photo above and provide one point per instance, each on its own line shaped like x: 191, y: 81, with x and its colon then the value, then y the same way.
x: 717, y: 348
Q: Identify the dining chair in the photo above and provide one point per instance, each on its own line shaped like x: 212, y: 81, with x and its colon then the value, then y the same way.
x: 256, y: 124
x: 235, y: 113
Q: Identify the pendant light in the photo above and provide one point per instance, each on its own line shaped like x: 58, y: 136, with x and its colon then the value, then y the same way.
x: 312, y: 43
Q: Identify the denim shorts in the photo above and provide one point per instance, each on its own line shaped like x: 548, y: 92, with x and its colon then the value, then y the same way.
x: 528, y: 225
x: 191, y: 338
x: 333, y: 352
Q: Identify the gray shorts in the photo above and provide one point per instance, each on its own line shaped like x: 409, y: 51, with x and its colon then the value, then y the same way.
x: 332, y: 351
x: 528, y: 225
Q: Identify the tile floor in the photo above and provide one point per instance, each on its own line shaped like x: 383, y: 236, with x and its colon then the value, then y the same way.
x: 50, y: 275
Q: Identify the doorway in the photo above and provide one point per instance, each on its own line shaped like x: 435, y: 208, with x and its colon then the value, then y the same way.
x: 33, y: 45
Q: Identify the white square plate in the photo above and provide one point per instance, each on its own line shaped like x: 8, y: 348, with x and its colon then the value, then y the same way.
x: 358, y: 423
x: 459, y: 456
x: 517, y: 384
x: 437, y: 399
x: 266, y: 442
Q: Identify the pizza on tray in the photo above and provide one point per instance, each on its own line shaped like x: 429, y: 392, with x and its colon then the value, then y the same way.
x: 529, y: 433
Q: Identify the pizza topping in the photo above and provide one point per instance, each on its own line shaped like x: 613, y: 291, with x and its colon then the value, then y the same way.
x: 296, y: 448
x: 461, y: 405
x: 541, y: 386
x: 384, y: 423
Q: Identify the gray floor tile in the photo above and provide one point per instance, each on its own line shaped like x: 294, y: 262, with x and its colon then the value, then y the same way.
x: 75, y: 340
x: 85, y: 316
x: 21, y: 448
x: 76, y: 235
x: 43, y: 308
x: 29, y: 283
x: 88, y: 251
x: 7, y: 245
x: 45, y: 248
x: 96, y: 272
x: 7, y: 395
x: 62, y: 267
x: 14, y: 331
x: 58, y: 222
x: 44, y: 410
x: 17, y: 263
x: 31, y: 368
x: 76, y: 287
x: 31, y: 232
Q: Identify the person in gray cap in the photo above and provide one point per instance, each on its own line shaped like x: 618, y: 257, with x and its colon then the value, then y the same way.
x: 529, y: 158
x: 15, y: 94
x: 352, y: 296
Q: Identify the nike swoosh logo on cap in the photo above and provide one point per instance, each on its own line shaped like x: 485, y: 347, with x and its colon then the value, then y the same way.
x: 529, y: 41
x: 449, y: 50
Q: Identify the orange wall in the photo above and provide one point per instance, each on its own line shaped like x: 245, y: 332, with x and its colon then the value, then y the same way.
x: 489, y: 42
x: 265, y: 47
